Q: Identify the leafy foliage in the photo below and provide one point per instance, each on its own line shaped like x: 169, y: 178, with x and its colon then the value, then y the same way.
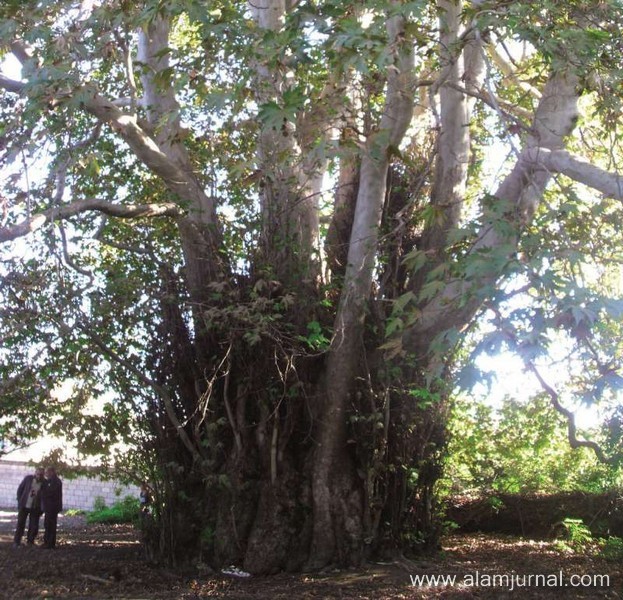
x: 518, y: 447
x: 578, y: 537
x: 124, y: 511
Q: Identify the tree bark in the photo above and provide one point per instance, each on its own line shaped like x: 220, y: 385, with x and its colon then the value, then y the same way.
x: 272, y: 451
x: 458, y: 301
x: 333, y: 488
x: 461, y: 61
x: 199, y: 230
x: 289, y: 182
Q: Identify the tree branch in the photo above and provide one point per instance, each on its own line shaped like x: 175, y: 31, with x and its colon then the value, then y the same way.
x: 574, y: 442
x: 554, y: 119
x: 11, y: 85
x: 509, y: 71
x: 21, y: 50
x: 173, y: 170
x: 351, y: 312
x: 495, y: 103
x: 560, y: 161
x: 127, y: 211
x: 162, y: 152
x: 134, y: 135
x: 572, y: 433
x: 158, y: 389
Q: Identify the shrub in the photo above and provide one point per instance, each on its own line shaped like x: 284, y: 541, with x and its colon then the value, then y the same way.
x: 99, y: 503
x: 124, y: 511
x: 612, y: 549
x: 486, y: 454
x: 578, y: 537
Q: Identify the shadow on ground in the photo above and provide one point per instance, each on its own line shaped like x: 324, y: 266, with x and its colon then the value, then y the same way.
x: 98, y: 561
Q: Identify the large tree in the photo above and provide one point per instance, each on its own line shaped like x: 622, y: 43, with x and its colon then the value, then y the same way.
x: 261, y: 235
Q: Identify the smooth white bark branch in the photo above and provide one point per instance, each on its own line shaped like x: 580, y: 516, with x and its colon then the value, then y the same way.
x: 453, y: 146
x: 159, y: 98
x: 560, y: 161
x: 268, y: 14
x: 164, y: 157
x: 292, y: 179
x: 554, y: 119
x: 396, y: 117
x: 509, y: 71
x: 176, y: 178
x: 145, y: 148
x: 462, y: 65
x: 21, y: 50
x: 164, y: 153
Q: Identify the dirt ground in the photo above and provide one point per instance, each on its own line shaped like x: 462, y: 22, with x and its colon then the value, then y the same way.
x: 95, y: 561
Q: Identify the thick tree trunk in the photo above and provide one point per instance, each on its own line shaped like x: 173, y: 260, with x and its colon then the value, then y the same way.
x: 199, y: 230
x: 462, y: 64
x: 290, y: 492
x: 335, y: 488
x: 289, y: 181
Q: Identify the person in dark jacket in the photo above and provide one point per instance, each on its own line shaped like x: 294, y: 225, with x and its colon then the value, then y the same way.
x: 29, y: 506
x: 144, y: 498
x: 51, y: 504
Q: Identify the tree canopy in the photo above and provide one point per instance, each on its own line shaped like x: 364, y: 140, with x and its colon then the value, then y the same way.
x: 264, y: 241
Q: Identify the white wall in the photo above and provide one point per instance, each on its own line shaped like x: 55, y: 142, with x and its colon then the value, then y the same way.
x: 77, y: 493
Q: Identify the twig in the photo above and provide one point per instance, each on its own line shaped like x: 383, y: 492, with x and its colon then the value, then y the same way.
x: 96, y: 578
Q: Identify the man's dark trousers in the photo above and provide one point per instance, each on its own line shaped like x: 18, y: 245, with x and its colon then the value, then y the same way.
x: 33, y: 524
x: 49, y: 523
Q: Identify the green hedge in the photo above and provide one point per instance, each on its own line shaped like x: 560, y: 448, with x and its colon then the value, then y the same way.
x: 124, y: 511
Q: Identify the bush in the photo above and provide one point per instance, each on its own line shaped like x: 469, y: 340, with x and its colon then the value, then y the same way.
x: 578, y: 536
x: 124, y: 511
x: 612, y: 548
x: 99, y: 503
x: 518, y: 448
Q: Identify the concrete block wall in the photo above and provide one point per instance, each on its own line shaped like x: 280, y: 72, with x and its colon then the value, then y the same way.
x: 77, y: 493
x: 10, y: 476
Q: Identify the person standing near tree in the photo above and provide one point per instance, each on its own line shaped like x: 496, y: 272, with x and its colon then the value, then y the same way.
x: 144, y: 498
x: 52, y: 504
x: 29, y: 506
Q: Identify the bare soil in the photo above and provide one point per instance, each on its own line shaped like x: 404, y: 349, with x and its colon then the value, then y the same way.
x: 97, y: 561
